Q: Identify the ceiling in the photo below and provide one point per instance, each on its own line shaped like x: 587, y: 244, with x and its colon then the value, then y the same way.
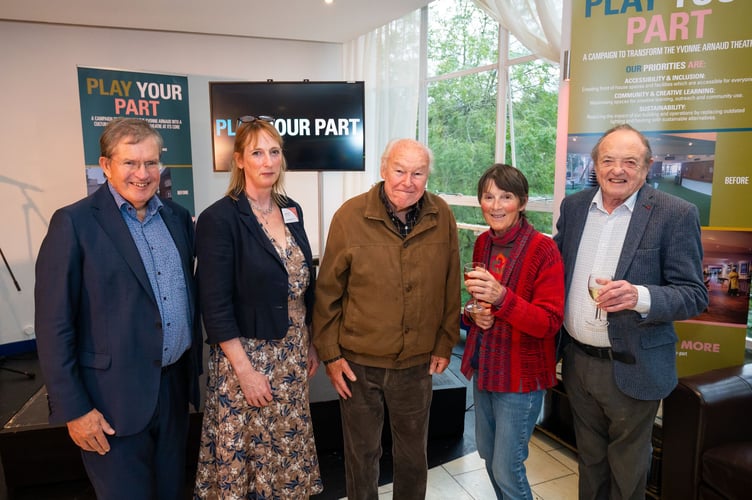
x: 305, y: 20
x: 720, y: 246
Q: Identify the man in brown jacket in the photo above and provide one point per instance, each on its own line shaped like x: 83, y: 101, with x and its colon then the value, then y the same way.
x: 386, y: 317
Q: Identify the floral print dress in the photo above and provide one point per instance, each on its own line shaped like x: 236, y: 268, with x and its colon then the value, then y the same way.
x: 262, y: 453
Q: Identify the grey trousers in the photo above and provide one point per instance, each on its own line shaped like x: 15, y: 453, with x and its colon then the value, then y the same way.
x: 407, y: 394
x: 613, y: 431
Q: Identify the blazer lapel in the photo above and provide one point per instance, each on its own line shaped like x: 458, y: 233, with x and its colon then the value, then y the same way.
x: 643, y: 209
x: 175, y: 227
x: 253, y: 226
x: 107, y: 215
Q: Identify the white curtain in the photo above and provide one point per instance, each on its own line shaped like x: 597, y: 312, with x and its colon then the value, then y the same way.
x: 535, y: 23
x: 387, y: 60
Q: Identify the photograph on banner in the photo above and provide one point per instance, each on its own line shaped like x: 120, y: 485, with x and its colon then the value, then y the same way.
x: 683, y: 165
x: 161, y: 100
x: 726, y: 272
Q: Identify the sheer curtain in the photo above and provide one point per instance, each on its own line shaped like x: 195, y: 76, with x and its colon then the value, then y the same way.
x: 535, y: 23
x: 387, y: 60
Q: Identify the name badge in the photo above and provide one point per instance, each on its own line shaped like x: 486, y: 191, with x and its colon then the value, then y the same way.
x: 290, y: 215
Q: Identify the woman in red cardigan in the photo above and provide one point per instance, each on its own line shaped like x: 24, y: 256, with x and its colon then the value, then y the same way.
x: 510, y: 350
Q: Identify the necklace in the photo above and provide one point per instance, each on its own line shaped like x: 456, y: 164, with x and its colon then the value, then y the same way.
x: 265, y: 211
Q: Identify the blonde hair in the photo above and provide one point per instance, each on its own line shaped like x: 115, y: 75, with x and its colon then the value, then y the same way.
x: 247, y: 135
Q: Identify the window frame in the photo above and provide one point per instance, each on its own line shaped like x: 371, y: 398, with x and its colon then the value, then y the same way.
x: 504, y: 116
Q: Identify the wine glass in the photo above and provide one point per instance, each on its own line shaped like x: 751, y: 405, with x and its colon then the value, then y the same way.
x: 473, y: 306
x: 594, y: 288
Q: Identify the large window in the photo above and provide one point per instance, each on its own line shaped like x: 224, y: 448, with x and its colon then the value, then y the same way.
x: 470, y: 63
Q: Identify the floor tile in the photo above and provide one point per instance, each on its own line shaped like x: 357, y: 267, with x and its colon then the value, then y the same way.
x: 564, y: 488
x: 544, y: 442
x: 477, y: 484
x: 542, y: 467
x: 566, y: 457
x: 442, y: 486
x: 467, y: 463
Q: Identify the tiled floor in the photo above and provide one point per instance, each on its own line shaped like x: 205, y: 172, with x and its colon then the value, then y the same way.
x: 551, y: 470
x: 551, y: 467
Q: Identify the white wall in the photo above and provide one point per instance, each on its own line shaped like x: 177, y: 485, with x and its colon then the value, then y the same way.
x: 41, y: 149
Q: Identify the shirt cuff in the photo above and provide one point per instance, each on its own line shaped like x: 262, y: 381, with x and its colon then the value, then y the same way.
x: 643, y: 300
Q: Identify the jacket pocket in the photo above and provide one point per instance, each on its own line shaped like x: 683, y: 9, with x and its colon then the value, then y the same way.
x: 100, y: 361
x: 658, y: 339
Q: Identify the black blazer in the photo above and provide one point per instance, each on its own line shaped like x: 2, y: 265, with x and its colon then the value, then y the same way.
x: 242, y: 281
x: 98, y: 326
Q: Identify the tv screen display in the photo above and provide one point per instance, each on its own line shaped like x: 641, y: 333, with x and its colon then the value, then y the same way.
x: 321, y: 123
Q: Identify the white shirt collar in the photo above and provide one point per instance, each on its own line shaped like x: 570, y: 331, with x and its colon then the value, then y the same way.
x: 629, y: 203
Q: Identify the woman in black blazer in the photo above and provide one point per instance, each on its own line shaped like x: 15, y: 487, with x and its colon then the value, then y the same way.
x: 255, y: 278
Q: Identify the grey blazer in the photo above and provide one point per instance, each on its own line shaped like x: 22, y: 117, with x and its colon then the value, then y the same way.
x: 663, y: 252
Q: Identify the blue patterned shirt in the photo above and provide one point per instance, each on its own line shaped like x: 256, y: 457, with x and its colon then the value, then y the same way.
x: 162, y: 262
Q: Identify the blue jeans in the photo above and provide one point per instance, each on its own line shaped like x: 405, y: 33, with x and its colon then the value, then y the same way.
x: 504, y: 422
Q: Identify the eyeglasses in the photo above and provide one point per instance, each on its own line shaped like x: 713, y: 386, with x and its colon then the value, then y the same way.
x: 132, y: 165
x: 251, y: 119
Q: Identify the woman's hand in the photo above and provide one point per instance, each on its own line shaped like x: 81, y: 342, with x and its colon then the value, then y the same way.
x: 255, y: 385
x: 483, y: 286
x: 485, y: 318
x: 313, y: 360
x: 256, y: 388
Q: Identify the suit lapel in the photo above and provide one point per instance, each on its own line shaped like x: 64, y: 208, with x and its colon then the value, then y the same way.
x: 643, y: 209
x: 107, y: 215
x: 175, y: 227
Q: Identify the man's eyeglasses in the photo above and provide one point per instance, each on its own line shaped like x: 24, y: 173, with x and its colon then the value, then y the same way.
x: 251, y: 119
x: 133, y: 165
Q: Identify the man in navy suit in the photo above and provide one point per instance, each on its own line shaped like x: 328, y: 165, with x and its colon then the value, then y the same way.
x: 115, y: 317
x: 616, y: 374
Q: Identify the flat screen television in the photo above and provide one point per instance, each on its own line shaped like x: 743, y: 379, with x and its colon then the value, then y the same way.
x: 321, y: 123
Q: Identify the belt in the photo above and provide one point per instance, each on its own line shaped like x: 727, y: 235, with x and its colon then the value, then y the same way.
x: 167, y: 369
x: 605, y: 353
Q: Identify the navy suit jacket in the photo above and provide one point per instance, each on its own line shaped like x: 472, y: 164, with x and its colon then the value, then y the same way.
x: 242, y: 280
x: 663, y: 252
x: 98, y: 326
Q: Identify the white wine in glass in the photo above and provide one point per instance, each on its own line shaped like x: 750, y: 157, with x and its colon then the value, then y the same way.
x: 473, y: 305
x: 594, y: 288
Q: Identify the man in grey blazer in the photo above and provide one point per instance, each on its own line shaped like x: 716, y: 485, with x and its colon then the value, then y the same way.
x: 116, y: 325
x: 616, y: 374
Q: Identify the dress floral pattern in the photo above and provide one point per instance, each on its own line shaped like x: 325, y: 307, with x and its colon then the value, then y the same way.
x: 262, y: 453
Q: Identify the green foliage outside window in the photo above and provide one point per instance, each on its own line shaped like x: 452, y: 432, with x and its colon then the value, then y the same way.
x: 462, y: 111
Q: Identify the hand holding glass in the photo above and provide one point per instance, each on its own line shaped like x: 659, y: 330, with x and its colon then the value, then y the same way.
x: 594, y: 288
x: 473, y: 305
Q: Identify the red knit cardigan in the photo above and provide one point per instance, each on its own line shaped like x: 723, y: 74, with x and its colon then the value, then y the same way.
x: 517, y: 354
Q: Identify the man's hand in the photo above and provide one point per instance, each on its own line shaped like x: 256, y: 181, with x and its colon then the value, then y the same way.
x: 337, y: 371
x: 438, y: 365
x: 616, y: 296
x: 88, y: 432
